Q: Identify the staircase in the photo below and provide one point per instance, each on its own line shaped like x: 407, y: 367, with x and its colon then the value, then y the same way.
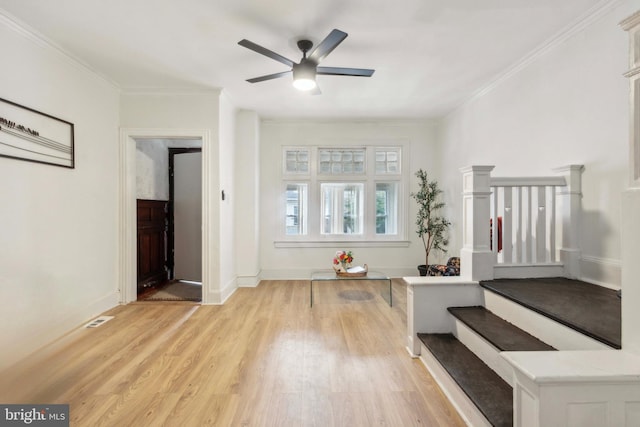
x: 516, y: 315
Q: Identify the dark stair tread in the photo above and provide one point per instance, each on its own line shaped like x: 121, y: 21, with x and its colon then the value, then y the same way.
x: 490, y: 393
x: 590, y: 309
x: 500, y: 333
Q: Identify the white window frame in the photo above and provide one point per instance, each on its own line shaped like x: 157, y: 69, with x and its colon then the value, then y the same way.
x: 314, y: 237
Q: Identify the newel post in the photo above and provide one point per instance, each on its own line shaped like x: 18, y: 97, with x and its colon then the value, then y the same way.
x: 476, y: 258
x: 570, y: 209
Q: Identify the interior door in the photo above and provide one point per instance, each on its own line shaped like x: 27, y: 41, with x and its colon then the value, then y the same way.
x: 187, y: 214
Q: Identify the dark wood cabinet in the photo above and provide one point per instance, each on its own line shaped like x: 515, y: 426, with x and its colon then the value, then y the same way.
x: 152, y: 242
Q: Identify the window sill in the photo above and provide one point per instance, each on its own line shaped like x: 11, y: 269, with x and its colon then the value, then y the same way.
x: 334, y: 243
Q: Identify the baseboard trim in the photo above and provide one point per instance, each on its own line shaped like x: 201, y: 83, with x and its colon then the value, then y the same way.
x: 56, y: 330
x: 604, y: 272
x: 220, y: 296
x: 249, y: 281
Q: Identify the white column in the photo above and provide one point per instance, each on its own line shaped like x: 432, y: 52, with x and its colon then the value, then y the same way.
x: 570, y: 207
x: 630, y: 235
x: 247, y: 198
x: 476, y: 258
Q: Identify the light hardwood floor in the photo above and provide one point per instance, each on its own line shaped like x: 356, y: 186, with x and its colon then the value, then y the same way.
x: 264, y: 358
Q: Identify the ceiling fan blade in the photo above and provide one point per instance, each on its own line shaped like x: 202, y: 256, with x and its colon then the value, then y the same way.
x: 340, y: 71
x: 327, y: 45
x: 266, y: 52
x: 268, y: 77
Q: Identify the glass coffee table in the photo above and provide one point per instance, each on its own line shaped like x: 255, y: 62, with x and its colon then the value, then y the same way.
x: 330, y: 276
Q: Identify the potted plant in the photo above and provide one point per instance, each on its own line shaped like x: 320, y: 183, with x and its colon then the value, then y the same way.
x: 431, y: 227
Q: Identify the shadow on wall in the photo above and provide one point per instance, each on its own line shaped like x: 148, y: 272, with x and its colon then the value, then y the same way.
x: 594, y: 268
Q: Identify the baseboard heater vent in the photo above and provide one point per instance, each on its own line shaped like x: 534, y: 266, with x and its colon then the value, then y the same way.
x: 98, y: 321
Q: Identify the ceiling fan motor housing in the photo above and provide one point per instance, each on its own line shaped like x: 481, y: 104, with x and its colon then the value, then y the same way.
x: 305, y: 46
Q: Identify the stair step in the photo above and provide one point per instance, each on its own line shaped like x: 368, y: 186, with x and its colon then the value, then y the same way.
x: 497, y: 331
x: 490, y: 393
x: 590, y: 309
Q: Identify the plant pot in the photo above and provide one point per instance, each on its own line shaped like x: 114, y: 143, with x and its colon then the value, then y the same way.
x: 422, y: 269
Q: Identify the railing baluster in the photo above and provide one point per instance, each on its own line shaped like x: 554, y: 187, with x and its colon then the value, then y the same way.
x: 541, y: 223
x: 528, y: 258
x: 507, y: 226
x: 494, y: 220
x: 552, y: 226
x: 519, y: 243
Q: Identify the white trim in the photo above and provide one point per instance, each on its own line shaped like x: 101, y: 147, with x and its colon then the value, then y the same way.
x: 585, y: 20
x: 56, y: 329
x: 29, y: 33
x: 334, y: 243
x: 127, y: 207
x: 533, y: 181
x: 525, y: 271
x: 610, y: 271
x: 221, y: 296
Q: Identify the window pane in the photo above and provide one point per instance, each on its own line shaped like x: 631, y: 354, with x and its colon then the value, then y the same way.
x: 336, y: 161
x: 296, y: 161
x: 296, y: 214
x: 342, y: 208
x: 387, y: 161
x: 386, y: 208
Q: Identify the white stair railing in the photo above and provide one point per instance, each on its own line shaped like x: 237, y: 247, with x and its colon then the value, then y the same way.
x: 532, y: 224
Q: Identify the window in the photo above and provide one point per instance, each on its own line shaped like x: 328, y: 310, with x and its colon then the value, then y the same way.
x: 296, y: 207
x: 342, y: 208
x: 343, y: 194
x: 386, y: 208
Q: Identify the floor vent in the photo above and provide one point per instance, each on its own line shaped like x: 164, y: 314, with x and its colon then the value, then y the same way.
x: 98, y: 322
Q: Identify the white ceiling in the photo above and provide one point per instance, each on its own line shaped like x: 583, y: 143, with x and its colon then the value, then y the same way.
x: 429, y: 55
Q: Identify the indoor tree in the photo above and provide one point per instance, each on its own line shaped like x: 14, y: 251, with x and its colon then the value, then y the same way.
x: 431, y: 227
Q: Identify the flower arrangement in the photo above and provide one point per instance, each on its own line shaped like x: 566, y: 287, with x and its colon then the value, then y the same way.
x: 342, y: 261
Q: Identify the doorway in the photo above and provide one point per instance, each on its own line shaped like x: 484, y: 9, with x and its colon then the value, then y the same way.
x: 169, y: 172
x: 127, y: 209
x: 185, y: 214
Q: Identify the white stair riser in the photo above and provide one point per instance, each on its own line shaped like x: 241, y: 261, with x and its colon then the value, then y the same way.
x: 549, y: 331
x: 484, y: 350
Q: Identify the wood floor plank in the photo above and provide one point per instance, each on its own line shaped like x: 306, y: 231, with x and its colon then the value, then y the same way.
x: 264, y: 358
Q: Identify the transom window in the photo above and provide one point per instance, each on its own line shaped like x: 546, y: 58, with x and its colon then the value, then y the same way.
x: 343, y: 193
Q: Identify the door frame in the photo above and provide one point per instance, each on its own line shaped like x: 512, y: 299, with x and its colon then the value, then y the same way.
x: 170, y: 233
x: 127, y: 207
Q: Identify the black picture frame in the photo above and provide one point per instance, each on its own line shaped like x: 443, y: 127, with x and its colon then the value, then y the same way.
x: 30, y: 135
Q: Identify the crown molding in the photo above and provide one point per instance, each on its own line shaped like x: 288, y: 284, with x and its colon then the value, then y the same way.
x: 630, y: 22
x: 588, y: 18
x: 160, y: 90
x: 22, y: 29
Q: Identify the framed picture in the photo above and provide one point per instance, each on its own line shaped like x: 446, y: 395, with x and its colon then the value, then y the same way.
x: 27, y: 134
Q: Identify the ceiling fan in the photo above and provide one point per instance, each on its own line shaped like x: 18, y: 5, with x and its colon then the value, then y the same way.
x: 304, y: 72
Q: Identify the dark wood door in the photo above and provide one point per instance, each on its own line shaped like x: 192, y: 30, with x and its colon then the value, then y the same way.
x: 152, y: 242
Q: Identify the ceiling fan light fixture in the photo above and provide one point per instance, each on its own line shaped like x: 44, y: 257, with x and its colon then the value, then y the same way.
x: 304, y: 76
x: 304, y: 84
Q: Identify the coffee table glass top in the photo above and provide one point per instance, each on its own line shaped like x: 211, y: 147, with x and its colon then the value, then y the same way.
x: 331, y: 275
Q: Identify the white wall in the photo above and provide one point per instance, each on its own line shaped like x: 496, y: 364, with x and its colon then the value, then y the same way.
x: 299, y: 262
x: 227, y: 184
x: 152, y: 170
x: 568, y: 106
x: 58, y: 245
